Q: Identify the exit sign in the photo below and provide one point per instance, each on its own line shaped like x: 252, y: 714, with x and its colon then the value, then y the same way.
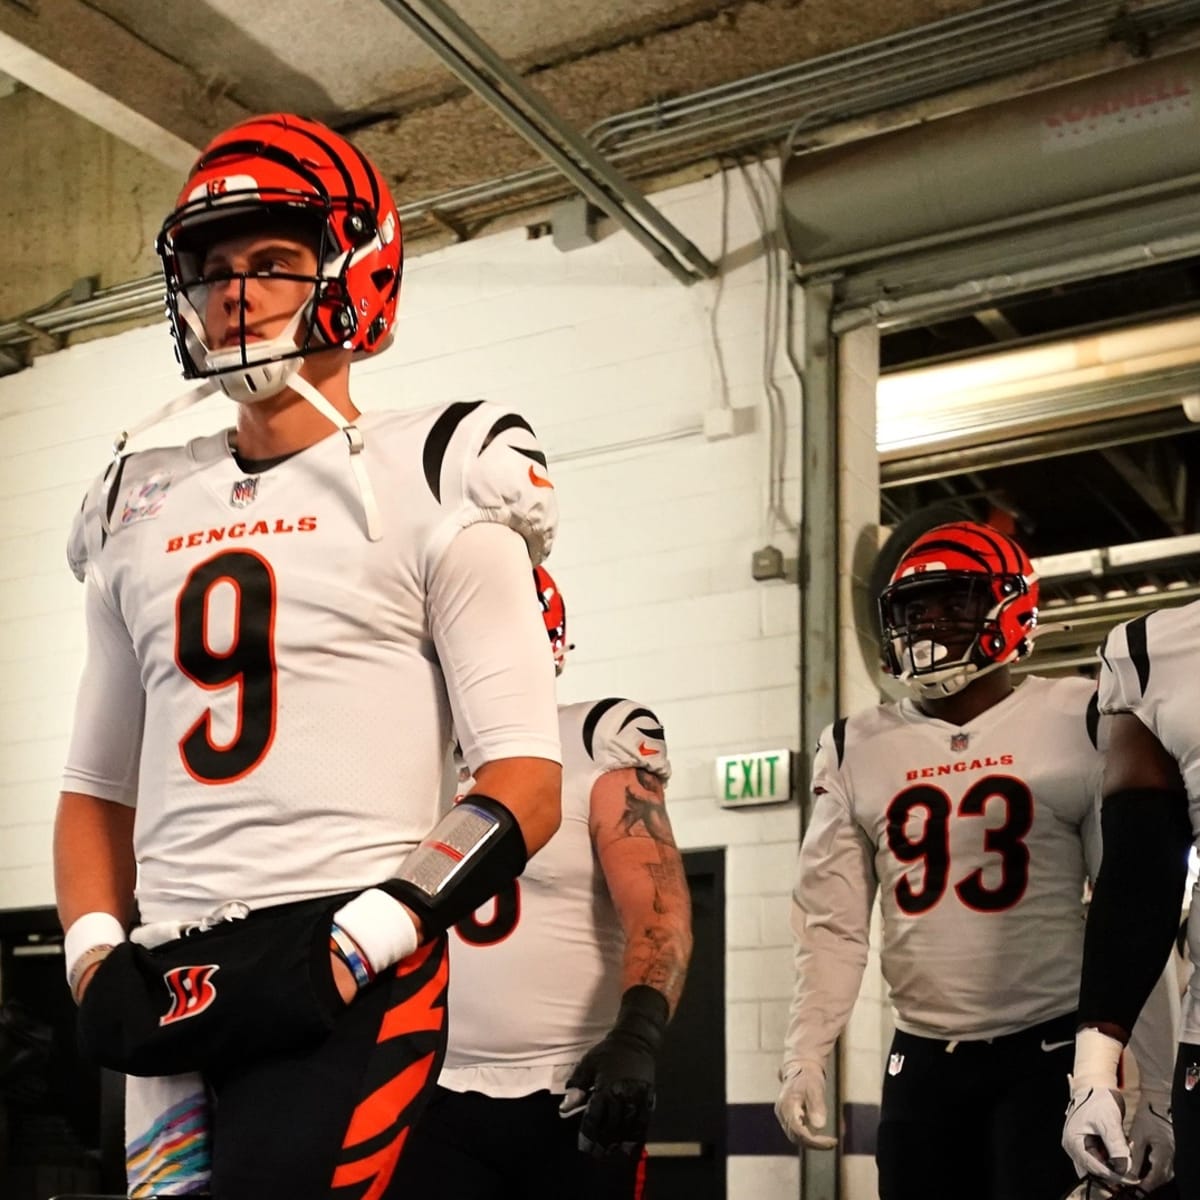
x: 757, y: 777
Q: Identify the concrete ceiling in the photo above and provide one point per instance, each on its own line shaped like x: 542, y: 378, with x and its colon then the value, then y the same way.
x: 152, y: 81
x: 167, y: 76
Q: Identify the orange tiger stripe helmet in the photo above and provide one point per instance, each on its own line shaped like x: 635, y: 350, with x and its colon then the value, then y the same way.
x: 962, y: 601
x: 554, y: 614
x: 284, y: 171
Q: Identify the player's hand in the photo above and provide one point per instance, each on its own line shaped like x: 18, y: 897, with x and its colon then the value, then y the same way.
x: 616, y: 1078
x: 800, y: 1108
x: 1151, y: 1135
x: 1094, y: 1136
x: 343, y: 979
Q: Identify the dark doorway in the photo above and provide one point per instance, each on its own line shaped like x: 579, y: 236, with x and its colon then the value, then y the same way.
x: 687, y: 1136
x: 50, y: 1107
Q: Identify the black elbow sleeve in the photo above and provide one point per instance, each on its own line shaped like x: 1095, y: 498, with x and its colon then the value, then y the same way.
x: 469, y: 855
x: 1134, y: 914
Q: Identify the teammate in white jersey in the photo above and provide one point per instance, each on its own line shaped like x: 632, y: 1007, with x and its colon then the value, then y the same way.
x: 969, y: 808
x: 560, y: 990
x: 285, y: 621
x: 1150, y: 695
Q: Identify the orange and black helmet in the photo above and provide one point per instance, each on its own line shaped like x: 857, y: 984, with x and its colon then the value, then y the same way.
x: 962, y: 601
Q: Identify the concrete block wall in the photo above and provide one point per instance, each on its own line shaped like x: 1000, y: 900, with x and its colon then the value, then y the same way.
x: 614, y: 364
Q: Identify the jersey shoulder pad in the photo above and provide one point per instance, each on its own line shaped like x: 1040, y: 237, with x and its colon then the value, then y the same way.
x: 622, y: 733
x: 132, y: 489
x: 482, y: 462
x: 1073, y: 699
x: 1125, y: 666
x: 87, y: 534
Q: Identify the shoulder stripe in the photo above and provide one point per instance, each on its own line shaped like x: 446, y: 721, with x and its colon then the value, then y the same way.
x: 438, y: 439
x: 642, y: 712
x: 1092, y: 719
x: 502, y: 425
x: 1139, y: 653
x: 114, y: 489
x: 839, y: 738
x: 593, y: 719
x: 536, y: 455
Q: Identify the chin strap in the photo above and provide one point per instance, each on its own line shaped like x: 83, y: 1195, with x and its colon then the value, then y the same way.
x: 299, y: 385
x: 178, y: 405
x: 354, y: 439
x: 939, y: 689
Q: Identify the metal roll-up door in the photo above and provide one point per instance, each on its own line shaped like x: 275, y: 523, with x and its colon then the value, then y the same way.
x: 1063, y: 183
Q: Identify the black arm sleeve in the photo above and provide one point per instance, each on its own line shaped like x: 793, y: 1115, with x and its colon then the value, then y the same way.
x: 469, y: 855
x: 1134, y: 914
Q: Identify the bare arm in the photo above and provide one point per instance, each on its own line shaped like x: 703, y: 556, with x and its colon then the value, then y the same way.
x: 644, y: 872
x: 94, y: 869
x: 93, y: 858
x: 530, y: 788
x: 1136, y: 758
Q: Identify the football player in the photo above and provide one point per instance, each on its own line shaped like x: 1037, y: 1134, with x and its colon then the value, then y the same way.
x: 562, y: 988
x: 969, y: 807
x: 284, y: 622
x: 1149, y: 691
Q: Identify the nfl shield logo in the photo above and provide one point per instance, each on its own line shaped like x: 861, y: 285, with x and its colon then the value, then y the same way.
x: 958, y: 741
x: 244, y: 492
x: 895, y: 1064
x: 1191, y: 1077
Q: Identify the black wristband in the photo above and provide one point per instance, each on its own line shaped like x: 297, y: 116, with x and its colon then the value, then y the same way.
x: 644, y: 1013
x: 1134, y: 914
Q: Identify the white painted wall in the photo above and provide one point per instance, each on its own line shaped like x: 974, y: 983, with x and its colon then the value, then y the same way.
x: 613, y: 363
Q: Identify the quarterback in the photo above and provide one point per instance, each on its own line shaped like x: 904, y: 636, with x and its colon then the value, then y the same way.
x: 585, y: 958
x: 969, y: 808
x: 284, y: 622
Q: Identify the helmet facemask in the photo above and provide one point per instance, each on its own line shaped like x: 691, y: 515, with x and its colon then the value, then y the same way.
x: 256, y: 368
x: 944, y: 629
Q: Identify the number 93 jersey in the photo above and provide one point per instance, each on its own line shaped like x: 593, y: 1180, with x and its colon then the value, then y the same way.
x: 1150, y: 667
x: 976, y: 838
x: 263, y: 681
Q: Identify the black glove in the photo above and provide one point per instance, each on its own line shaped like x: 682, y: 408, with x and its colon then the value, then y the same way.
x: 617, y: 1077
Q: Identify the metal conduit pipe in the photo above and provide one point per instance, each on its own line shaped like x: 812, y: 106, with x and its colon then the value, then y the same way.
x: 494, y: 81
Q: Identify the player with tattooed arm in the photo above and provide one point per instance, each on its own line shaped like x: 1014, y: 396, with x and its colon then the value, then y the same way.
x: 562, y: 988
x: 969, y: 807
x: 285, y: 620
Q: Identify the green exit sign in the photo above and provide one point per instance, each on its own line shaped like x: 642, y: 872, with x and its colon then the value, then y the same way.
x: 757, y: 777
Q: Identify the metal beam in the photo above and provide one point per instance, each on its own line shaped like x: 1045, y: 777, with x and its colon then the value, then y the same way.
x: 495, y: 82
x: 82, y: 59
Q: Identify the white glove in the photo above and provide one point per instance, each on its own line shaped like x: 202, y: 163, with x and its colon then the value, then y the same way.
x: 1094, y: 1135
x: 1094, y: 1132
x: 1150, y: 1133
x: 800, y: 1108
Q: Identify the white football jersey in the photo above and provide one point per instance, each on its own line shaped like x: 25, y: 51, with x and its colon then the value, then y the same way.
x: 1150, y: 667
x: 975, y: 838
x: 263, y: 681
x: 535, y: 977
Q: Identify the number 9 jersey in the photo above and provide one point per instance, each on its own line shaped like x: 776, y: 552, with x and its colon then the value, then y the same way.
x: 271, y: 688
x: 978, y: 840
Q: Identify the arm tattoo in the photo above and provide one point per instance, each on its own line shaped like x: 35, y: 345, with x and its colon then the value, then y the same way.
x: 657, y: 952
x: 649, y: 812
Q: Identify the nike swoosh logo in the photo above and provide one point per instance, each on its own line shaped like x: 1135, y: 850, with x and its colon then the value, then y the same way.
x: 538, y: 481
x: 1049, y: 1046
x: 645, y: 751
